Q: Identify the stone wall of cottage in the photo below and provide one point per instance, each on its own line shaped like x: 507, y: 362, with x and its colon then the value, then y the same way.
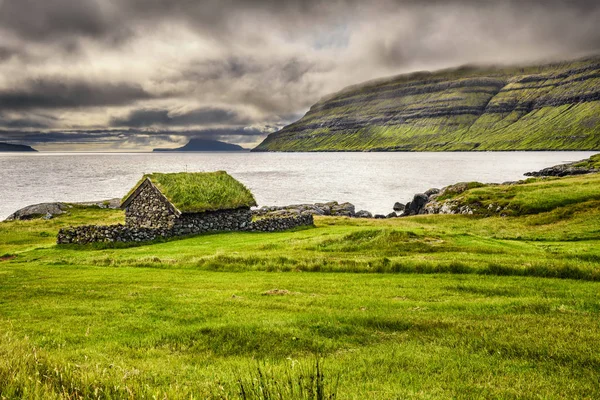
x: 150, y: 209
x: 211, y: 221
x: 282, y: 223
x: 108, y: 234
x: 187, y: 224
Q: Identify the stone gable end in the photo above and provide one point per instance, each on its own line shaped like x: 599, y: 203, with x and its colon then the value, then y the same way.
x: 150, y: 209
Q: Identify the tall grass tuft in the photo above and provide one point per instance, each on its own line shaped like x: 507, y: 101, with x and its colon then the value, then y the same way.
x: 297, y: 381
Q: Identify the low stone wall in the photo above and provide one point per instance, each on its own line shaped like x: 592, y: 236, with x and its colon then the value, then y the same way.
x: 107, y: 234
x: 192, y: 224
x: 272, y: 224
x: 230, y: 220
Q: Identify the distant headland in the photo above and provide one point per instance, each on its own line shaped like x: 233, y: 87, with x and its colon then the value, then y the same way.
x: 206, y: 145
x: 5, y: 147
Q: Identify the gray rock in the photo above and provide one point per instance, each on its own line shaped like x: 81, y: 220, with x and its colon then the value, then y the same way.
x: 417, y: 205
x: 392, y: 215
x: 379, y: 216
x: 43, y: 210
x: 343, y: 210
x: 363, y: 214
x: 563, y: 170
x: 398, y: 207
x: 432, y: 191
x: 326, y: 210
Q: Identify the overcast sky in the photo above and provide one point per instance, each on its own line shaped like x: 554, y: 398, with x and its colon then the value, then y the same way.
x: 137, y: 74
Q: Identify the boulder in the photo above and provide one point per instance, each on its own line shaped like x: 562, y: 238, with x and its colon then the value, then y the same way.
x: 379, y: 216
x: 343, y: 210
x: 432, y: 191
x: 43, y: 210
x: 392, y: 215
x: 398, y: 207
x: 363, y: 214
x: 563, y: 170
x: 459, y: 188
x: 417, y: 205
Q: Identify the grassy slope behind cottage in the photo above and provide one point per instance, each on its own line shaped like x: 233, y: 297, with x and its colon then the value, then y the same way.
x: 424, y: 307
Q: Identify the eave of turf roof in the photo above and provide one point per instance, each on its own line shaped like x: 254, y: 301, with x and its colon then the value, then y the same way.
x: 200, y: 191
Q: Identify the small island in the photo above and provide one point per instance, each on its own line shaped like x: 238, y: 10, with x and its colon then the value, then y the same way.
x: 198, y: 144
x: 6, y: 147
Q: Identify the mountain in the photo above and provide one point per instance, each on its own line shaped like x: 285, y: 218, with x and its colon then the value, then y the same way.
x: 15, y: 147
x: 546, y: 107
x: 206, y: 145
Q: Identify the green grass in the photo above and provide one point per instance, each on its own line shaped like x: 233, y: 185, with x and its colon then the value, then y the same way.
x: 200, y: 191
x: 592, y: 163
x: 443, y: 306
x: 538, y: 195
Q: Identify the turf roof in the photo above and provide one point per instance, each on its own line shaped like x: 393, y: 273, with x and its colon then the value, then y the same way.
x: 200, y: 191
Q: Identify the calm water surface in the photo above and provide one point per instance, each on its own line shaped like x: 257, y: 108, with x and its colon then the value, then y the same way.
x: 371, y: 181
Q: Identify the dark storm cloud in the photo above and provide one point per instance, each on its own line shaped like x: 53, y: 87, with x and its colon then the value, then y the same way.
x: 22, y: 123
x: 52, y: 93
x: 173, y: 65
x: 202, y: 116
x: 49, y: 20
x: 38, y: 136
x: 7, y: 53
x: 224, y: 133
x: 275, y: 84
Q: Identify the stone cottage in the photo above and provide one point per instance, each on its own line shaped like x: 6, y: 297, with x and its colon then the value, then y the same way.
x: 181, y: 204
x: 187, y: 203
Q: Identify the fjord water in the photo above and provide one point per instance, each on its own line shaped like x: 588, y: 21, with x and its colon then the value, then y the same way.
x: 371, y: 181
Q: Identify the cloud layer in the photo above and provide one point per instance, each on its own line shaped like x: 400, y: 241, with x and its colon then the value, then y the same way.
x: 135, y: 74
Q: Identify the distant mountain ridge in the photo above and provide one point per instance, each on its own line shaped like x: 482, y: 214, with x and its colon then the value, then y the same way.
x: 198, y: 144
x: 546, y: 107
x: 15, y: 147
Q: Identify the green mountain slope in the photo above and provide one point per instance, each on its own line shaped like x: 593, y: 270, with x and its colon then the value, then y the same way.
x: 547, y: 107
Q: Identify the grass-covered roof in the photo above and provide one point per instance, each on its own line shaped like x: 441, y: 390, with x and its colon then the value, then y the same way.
x: 200, y: 191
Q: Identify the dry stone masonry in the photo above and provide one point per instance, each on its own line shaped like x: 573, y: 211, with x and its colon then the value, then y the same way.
x: 218, y: 221
x: 273, y: 224
x: 150, y: 215
x: 150, y: 209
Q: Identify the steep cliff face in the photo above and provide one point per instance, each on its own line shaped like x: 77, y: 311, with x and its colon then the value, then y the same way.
x: 548, y: 107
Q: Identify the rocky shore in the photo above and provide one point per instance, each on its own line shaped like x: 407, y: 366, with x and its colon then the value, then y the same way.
x: 565, y: 170
x: 50, y: 210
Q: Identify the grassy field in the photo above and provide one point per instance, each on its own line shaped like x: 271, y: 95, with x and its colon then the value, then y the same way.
x: 421, y: 307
